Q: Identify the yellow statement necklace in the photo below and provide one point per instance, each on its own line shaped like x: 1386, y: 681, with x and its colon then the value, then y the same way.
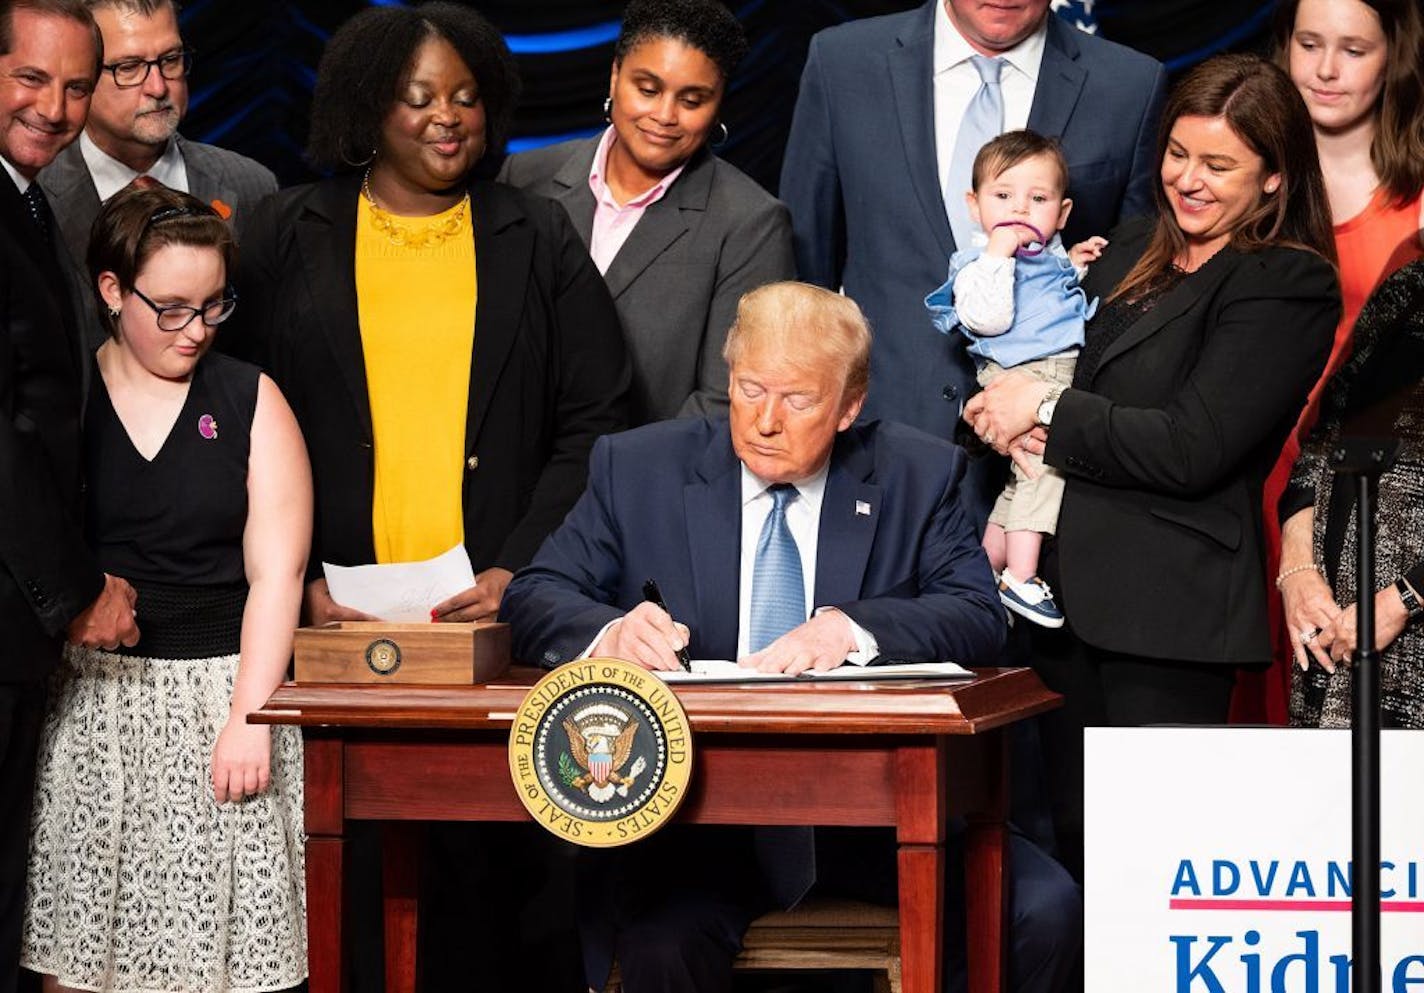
x: 414, y: 235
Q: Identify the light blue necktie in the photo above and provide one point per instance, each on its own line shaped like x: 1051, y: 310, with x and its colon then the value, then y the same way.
x: 983, y: 121
x: 778, y: 591
x: 787, y: 855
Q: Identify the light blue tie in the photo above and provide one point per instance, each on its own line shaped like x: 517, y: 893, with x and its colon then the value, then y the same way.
x: 983, y: 121
x: 778, y: 590
x: 787, y: 855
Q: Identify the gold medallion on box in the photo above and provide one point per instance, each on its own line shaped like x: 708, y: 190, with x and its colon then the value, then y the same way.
x: 383, y: 656
x: 601, y: 752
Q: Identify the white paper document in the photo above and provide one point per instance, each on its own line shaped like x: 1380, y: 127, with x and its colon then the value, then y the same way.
x: 401, y: 591
x: 723, y: 671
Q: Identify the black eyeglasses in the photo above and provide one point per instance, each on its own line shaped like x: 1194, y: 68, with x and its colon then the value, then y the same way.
x: 171, y: 316
x: 134, y: 72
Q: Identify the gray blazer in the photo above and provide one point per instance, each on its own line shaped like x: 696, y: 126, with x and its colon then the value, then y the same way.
x: 676, y: 281
x: 213, y: 174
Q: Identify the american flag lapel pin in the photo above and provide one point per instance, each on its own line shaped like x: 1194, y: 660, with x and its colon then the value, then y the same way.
x: 862, y: 509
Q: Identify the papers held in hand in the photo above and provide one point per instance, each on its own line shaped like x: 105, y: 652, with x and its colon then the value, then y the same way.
x: 722, y: 671
x: 401, y: 591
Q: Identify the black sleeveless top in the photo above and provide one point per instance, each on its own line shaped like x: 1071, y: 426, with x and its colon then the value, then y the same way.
x: 172, y: 526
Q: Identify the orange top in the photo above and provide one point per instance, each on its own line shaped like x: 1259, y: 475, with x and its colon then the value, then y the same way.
x: 1371, y: 245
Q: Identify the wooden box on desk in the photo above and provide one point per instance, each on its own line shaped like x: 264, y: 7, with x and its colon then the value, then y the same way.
x: 383, y: 652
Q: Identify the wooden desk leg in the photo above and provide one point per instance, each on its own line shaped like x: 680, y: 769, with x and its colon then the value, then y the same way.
x: 986, y: 877
x: 402, y: 845
x: 921, y: 917
x: 920, y: 816
x: 326, y: 864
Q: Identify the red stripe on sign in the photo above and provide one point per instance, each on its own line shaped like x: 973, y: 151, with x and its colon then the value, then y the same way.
x: 1388, y: 906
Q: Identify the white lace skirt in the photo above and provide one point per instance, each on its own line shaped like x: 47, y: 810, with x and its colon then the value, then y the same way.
x: 138, y: 881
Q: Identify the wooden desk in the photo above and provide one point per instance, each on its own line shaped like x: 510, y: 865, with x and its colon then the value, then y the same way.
x: 906, y: 755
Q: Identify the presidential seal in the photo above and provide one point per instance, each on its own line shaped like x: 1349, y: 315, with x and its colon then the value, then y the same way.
x: 383, y: 656
x: 601, y: 752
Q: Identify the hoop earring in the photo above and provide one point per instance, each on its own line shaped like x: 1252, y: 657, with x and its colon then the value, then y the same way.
x: 725, y: 135
x: 607, y: 110
x: 356, y: 165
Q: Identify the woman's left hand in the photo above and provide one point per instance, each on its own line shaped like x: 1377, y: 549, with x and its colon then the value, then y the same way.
x: 1006, y: 409
x: 1339, y: 637
x: 242, y: 760
x: 478, y: 603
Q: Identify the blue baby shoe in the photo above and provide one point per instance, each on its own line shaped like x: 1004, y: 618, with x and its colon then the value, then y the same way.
x: 1031, y: 599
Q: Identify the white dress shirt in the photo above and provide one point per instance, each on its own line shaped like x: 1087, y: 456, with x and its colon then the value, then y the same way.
x: 956, y: 81
x: 110, y: 175
x: 21, y: 183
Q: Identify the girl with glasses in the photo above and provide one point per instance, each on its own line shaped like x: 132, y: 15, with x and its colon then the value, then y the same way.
x: 167, y: 848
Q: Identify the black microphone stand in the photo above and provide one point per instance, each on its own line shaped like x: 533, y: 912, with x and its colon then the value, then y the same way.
x: 1365, y: 459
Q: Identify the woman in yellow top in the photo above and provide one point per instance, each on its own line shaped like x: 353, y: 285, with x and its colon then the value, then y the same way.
x: 449, y: 348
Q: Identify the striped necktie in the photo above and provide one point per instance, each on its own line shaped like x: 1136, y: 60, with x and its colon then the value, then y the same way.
x: 786, y: 854
x: 778, y: 589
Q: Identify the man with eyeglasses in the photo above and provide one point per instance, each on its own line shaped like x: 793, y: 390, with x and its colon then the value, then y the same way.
x: 140, y: 99
x: 51, y: 588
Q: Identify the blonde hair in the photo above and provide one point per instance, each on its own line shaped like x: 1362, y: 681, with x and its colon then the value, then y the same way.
x: 807, y: 325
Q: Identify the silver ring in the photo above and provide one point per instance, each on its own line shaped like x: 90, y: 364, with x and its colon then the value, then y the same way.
x: 1310, y: 635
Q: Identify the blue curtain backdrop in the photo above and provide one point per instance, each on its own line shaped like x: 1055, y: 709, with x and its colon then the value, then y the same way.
x: 257, y: 61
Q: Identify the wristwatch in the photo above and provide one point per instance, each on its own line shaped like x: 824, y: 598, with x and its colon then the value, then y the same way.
x: 1412, y: 606
x: 1047, y: 405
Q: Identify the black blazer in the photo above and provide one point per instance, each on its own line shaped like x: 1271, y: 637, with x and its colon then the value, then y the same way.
x: 1166, y: 451
x: 47, y: 574
x: 548, y: 369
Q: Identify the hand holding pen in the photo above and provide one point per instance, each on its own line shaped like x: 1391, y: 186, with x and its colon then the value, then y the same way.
x: 653, y: 595
x: 646, y: 636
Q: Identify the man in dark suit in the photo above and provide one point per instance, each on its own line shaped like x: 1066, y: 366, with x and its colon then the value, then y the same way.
x: 132, y: 130
x: 841, y: 543
x: 869, y: 168
x: 49, y: 583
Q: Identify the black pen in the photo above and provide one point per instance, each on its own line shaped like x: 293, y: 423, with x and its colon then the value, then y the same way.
x: 653, y: 595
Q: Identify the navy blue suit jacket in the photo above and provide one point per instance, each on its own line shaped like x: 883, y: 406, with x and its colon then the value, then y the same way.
x: 862, y: 183
x: 664, y: 502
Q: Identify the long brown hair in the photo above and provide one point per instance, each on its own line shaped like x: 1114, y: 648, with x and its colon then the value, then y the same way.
x: 1263, y: 108
x: 1397, y: 149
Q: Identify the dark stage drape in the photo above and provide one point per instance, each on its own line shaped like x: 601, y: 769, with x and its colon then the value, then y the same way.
x: 257, y: 61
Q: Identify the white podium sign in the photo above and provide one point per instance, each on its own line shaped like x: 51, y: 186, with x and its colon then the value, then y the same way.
x: 1218, y: 860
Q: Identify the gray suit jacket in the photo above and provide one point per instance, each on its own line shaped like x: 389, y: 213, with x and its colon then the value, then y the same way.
x: 676, y: 281
x: 213, y: 174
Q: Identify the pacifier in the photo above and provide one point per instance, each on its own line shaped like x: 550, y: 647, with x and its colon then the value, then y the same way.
x: 1025, y: 251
